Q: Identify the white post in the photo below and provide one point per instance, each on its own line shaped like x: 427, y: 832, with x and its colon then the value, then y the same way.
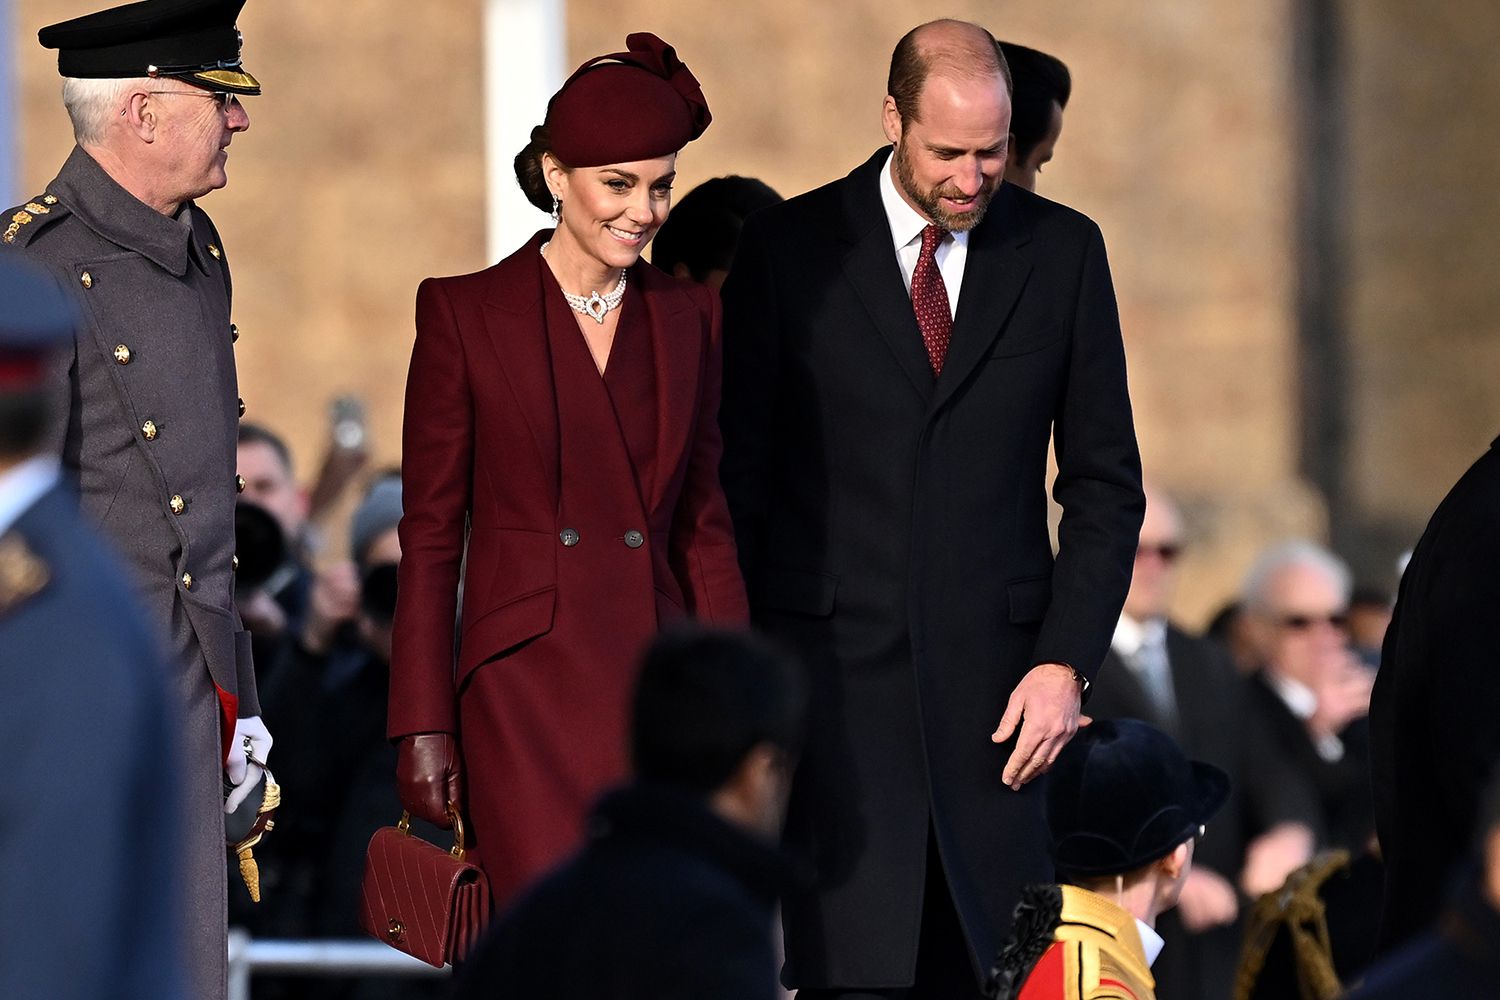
x: 10, y: 123
x: 525, y: 60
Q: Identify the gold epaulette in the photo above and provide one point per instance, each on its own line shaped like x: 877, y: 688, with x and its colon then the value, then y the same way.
x: 26, y: 214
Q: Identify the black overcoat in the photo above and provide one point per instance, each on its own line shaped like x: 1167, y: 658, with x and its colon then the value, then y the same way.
x: 1434, y: 737
x: 893, y: 528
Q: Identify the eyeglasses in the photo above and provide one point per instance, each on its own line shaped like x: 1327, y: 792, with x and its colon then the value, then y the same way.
x: 1166, y: 551
x: 1301, y: 623
x: 223, y: 98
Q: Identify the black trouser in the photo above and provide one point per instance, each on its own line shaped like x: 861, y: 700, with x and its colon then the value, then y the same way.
x: 945, y: 970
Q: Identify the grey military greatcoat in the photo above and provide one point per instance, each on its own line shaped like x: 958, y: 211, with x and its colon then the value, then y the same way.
x: 151, y: 435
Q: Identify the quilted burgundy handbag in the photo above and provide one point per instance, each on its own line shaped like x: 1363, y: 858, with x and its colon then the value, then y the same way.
x: 421, y: 899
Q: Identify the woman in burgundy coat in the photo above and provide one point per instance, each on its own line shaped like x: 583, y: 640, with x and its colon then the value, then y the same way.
x: 561, y: 421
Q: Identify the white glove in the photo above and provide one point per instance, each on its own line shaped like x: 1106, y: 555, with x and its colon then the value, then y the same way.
x: 247, y: 757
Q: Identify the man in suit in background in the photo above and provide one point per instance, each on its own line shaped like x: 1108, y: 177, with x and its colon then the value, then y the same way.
x: 1311, y: 691
x: 1186, y: 686
x: 899, y: 346
x: 91, y: 804
x: 1433, y: 716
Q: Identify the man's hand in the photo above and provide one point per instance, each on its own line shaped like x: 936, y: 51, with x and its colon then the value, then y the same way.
x: 1273, y: 856
x: 1343, y: 693
x: 1207, y: 900
x: 1045, y: 706
x: 334, y: 601
x: 261, y: 614
x: 248, y: 751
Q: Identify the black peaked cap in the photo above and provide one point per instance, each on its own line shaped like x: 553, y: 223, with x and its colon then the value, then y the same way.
x: 191, y: 40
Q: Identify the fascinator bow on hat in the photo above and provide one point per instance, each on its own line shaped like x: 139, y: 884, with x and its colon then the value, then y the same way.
x: 633, y: 105
x: 1122, y: 795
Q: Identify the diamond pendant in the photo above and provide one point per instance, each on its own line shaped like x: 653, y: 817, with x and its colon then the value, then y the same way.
x: 596, y: 307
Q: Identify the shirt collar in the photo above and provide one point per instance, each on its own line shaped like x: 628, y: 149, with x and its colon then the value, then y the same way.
x: 1151, y: 942
x: 99, y: 201
x: 1130, y: 635
x: 25, y: 484
x: 906, y: 223
x: 1299, y: 698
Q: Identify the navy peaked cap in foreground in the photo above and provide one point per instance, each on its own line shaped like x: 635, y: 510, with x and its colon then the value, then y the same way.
x: 36, y: 321
x: 192, y: 40
x: 1122, y: 794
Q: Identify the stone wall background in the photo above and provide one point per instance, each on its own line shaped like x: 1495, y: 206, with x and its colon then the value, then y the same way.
x: 364, y: 171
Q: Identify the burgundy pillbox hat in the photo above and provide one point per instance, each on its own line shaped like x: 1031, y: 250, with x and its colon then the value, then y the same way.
x: 626, y: 106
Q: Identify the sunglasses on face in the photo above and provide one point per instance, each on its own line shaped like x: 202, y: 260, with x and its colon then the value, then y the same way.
x: 1166, y: 551
x: 1301, y: 623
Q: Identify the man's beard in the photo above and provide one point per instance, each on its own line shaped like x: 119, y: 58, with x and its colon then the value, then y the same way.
x: 929, y: 202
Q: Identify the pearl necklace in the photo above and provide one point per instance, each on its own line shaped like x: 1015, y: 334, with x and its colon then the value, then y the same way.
x: 593, y: 304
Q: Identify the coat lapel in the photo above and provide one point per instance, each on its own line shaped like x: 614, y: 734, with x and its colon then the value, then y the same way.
x: 516, y: 322
x: 994, y: 275
x: 871, y: 267
x: 677, y: 339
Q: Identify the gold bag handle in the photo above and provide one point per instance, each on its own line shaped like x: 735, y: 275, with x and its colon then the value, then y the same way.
x: 457, y: 850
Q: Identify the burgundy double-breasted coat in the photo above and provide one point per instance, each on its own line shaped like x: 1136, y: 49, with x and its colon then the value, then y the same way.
x: 579, y: 512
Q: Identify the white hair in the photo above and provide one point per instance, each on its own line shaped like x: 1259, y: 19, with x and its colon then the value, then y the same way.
x: 1255, y: 591
x: 93, y: 104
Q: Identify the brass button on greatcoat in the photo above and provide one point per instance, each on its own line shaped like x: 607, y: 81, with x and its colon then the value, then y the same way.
x: 217, y: 253
x: 122, y: 354
x: 240, y: 484
x: 187, y: 581
x: 86, y: 279
x: 177, y: 504
x: 634, y: 539
x: 234, y: 564
x: 148, y: 430
x: 568, y: 537
x: 234, y: 333
x: 242, y: 406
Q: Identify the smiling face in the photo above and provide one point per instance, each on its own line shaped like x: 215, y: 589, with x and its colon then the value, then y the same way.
x: 950, y: 153
x: 610, y: 213
x: 193, y: 129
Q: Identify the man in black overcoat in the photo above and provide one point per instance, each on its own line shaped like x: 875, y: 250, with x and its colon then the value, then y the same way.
x: 900, y: 347
x: 1433, y: 715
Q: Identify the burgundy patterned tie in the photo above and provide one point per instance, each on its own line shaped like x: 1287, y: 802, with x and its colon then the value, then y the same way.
x: 929, y: 297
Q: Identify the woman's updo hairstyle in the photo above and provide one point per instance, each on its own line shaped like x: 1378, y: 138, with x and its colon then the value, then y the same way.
x: 639, y: 104
x: 529, y: 172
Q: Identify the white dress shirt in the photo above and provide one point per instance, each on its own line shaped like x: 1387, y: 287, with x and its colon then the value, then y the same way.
x: 1142, y: 647
x: 906, y: 232
x: 23, y: 485
x: 1302, y: 702
x: 1151, y: 942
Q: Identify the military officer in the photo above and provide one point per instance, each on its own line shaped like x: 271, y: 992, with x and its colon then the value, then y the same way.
x: 90, y: 808
x: 153, y: 91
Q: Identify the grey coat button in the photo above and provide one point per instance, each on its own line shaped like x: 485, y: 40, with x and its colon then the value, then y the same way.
x: 634, y: 539
x: 568, y: 536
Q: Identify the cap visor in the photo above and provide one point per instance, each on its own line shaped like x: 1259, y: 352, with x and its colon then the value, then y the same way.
x: 233, y: 80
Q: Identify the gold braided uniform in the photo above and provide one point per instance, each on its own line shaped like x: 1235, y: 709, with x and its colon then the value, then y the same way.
x: 1096, y: 954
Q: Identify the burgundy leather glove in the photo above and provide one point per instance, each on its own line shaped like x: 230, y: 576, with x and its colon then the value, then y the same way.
x: 429, y: 775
